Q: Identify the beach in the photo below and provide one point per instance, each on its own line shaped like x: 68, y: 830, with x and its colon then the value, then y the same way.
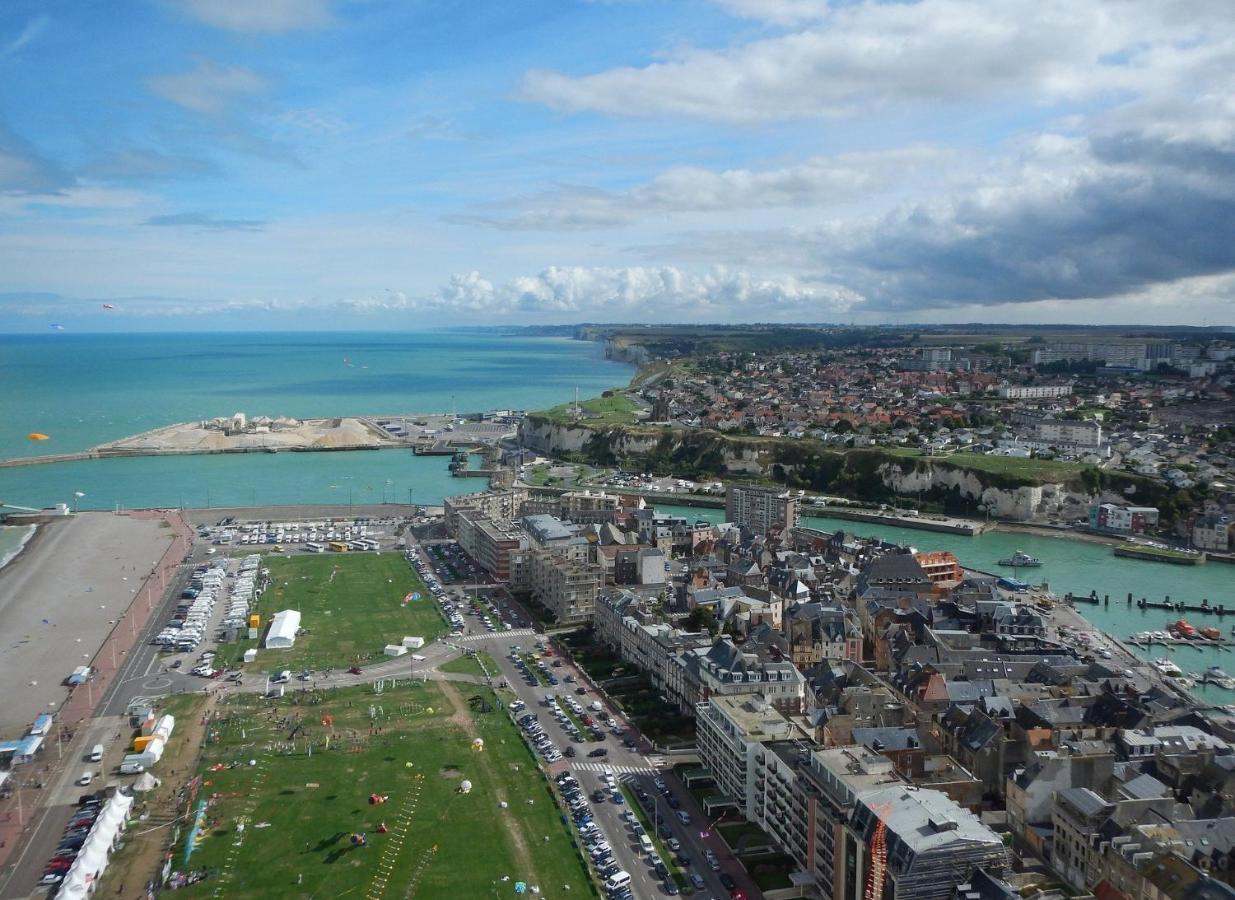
x: 59, y: 599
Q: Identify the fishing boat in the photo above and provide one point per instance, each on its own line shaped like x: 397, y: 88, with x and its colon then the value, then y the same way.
x: 1210, y: 633
x: 1021, y: 560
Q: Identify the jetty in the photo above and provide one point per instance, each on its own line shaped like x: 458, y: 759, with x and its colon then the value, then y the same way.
x: 1159, y: 554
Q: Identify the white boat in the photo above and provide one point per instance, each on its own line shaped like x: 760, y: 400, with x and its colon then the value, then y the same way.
x: 1021, y: 560
x: 1166, y: 667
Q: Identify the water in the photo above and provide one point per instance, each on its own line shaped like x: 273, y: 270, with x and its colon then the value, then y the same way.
x: 82, y: 390
x: 12, y: 539
x: 1070, y: 565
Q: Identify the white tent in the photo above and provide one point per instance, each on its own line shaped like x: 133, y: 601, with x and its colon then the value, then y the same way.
x: 152, y: 752
x: 394, y: 650
x: 145, y: 782
x: 283, y: 628
x: 163, y: 727
x: 88, y: 867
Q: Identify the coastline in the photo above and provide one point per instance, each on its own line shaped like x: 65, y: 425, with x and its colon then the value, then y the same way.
x: 25, y: 542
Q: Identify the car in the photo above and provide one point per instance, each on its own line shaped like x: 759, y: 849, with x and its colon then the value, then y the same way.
x: 569, y: 751
x: 673, y: 844
x: 177, y: 664
x: 618, y: 798
x: 682, y: 860
x: 674, y: 802
x: 355, y: 670
x: 661, y: 869
x: 670, y: 887
x: 697, y: 882
x: 580, y: 690
x: 599, y: 752
x: 629, y: 744
x: 713, y: 862
x: 727, y: 881
x: 683, y: 817
x: 660, y: 784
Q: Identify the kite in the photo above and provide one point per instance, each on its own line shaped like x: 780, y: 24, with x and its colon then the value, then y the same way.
x: 56, y: 326
x: 38, y: 436
x: 108, y: 306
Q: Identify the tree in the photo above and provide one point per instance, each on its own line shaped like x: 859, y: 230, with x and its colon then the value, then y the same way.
x: 702, y: 618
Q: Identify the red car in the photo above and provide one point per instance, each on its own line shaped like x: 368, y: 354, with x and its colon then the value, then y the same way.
x: 354, y: 670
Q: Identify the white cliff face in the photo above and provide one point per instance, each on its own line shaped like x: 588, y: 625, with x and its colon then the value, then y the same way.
x: 1020, y: 504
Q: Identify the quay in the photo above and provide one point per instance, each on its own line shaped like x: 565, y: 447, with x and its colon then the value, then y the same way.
x: 1153, y: 554
x: 941, y: 524
x: 1168, y: 605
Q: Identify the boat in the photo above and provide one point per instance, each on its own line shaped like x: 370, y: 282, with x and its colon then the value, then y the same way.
x: 1215, y: 675
x: 1210, y: 633
x: 1183, y: 629
x: 1166, y: 667
x: 1021, y: 560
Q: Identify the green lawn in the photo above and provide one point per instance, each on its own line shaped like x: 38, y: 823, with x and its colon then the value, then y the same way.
x: 470, y: 665
x: 1041, y: 470
x: 618, y: 409
x: 299, y: 811
x: 350, y: 605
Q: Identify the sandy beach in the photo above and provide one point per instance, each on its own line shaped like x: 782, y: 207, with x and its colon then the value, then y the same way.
x: 60, y: 597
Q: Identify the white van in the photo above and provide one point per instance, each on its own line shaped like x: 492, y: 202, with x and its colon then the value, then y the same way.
x: 645, y: 844
x: 96, y: 753
x: 618, y: 881
x: 282, y: 678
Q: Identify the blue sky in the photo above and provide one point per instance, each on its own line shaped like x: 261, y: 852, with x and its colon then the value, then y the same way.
x: 371, y: 164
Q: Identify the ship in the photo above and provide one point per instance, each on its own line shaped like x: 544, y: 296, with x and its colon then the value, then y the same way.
x: 1182, y: 629
x: 1215, y: 675
x: 1166, y: 667
x: 1210, y: 633
x: 1021, y: 560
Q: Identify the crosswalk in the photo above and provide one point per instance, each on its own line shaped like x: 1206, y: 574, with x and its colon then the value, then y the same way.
x: 515, y: 632
x: 616, y: 769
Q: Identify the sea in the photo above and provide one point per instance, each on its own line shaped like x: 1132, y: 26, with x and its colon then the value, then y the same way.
x: 1079, y: 567
x: 84, y: 389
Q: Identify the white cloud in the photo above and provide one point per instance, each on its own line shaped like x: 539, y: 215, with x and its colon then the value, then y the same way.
x: 819, y: 181
x: 28, y: 35
x: 875, y: 55
x: 259, y: 16
x: 209, y: 88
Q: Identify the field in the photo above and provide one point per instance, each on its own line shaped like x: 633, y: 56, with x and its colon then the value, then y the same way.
x: 350, y: 607
x: 299, y: 811
x: 472, y: 665
x: 617, y: 409
x: 1035, y: 470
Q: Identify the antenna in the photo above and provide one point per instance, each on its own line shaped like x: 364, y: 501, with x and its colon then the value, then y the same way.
x: 577, y: 411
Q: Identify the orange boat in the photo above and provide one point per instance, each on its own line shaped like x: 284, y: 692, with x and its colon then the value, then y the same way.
x: 1211, y: 633
x: 1183, y: 629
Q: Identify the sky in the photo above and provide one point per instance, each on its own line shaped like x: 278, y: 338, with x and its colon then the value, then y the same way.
x: 398, y: 164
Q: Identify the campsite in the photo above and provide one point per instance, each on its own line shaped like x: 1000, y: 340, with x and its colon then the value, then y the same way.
x: 350, y: 605
x: 353, y: 792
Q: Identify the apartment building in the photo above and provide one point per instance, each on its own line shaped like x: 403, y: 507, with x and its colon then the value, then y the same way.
x: 567, y: 586
x: 1114, y: 519
x: 760, y: 509
x: 1008, y: 391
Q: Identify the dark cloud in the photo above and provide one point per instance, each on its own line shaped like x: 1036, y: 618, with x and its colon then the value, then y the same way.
x: 1109, y: 232
x: 205, y: 222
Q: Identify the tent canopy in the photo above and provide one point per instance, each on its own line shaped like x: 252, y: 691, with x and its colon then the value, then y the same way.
x: 283, y: 628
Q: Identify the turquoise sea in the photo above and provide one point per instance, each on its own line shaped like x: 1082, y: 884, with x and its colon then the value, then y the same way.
x: 1079, y: 567
x: 82, y: 390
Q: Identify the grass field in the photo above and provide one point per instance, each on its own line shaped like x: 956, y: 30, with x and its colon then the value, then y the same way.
x: 470, y: 665
x: 615, y: 410
x: 299, y: 811
x: 350, y: 605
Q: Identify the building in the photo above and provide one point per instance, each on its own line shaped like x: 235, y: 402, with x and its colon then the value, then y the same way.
x: 760, y: 509
x: 731, y: 732
x: 283, y: 629
x: 564, y: 585
x: 1008, y: 391
x: 1212, y: 532
x: 1047, y: 431
x: 639, y: 565
x: 930, y: 844
x: 1112, y: 519
x: 940, y: 566
x: 495, y: 544
x: 726, y: 670
x: 1143, y: 355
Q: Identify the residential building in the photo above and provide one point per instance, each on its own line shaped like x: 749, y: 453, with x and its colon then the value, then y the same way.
x: 567, y: 587
x: 760, y: 509
x: 1211, y: 531
x: 1007, y: 391
x: 1112, y: 519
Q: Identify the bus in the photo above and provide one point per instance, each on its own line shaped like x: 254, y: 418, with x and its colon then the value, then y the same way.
x: 311, y: 547
x: 338, y: 546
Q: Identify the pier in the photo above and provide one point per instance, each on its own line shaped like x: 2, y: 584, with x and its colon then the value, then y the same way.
x: 1167, y: 604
